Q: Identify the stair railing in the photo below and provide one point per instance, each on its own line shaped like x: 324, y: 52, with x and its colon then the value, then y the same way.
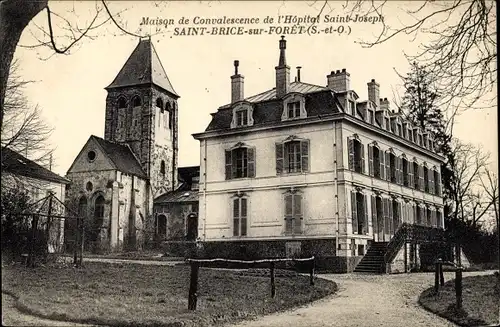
x: 410, y: 232
x: 395, y: 243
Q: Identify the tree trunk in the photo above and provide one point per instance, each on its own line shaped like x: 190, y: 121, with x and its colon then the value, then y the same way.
x: 15, y: 15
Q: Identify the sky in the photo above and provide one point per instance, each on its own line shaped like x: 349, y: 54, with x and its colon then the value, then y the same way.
x: 70, y: 88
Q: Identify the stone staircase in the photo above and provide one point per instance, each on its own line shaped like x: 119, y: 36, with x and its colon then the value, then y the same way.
x: 373, y: 261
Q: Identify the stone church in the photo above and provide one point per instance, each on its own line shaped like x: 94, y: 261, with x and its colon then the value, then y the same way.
x: 115, y: 179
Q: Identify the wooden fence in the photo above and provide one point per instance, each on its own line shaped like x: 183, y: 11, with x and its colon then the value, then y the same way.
x: 196, y: 263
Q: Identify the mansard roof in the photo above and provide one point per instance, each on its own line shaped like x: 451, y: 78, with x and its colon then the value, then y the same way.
x: 267, y: 108
x: 18, y: 164
x: 143, y: 67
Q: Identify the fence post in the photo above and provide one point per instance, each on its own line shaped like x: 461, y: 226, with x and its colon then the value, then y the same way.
x: 441, y: 273
x: 436, y: 278
x: 458, y: 287
x: 82, y: 242
x: 273, y: 284
x: 31, y: 256
x: 193, y: 286
x: 76, y: 244
x: 311, y: 272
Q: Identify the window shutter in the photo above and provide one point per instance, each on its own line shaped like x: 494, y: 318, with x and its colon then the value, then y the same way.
x: 251, y: 162
x: 365, y: 222
x: 382, y: 165
x: 304, y: 153
x: 431, y: 181
x: 388, y: 165
x: 399, y: 174
x: 362, y: 147
x: 385, y: 204
x: 288, y: 213
x: 297, y: 213
x: 229, y: 162
x: 243, y: 217
x: 416, y: 218
x: 390, y: 216
x: 370, y: 160
x: 437, y: 184
x: 279, y: 158
x: 354, y: 213
x: 374, y: 213
x: 236, y: 217
x: 421, y: 177
x: 350, y: 149
x: 410, y: 174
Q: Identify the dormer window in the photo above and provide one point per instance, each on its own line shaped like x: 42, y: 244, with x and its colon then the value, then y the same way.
x: 387, y: 125
x: 242, y: 115
x: 400, y: 129
x: 370, y: 116
x: 242, y: 118
x: 351, y: 108
x: 294, y: 107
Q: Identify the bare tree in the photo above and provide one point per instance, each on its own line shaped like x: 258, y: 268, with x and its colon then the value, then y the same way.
x: 469, y: 161
x: 461, y: 51
x: 24, y: 130
x: 59, y: 33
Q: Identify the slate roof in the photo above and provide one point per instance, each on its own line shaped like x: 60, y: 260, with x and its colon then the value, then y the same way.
x: 143, y: 67
x: 18, y: 164
x: 183, y: 193
x: 122, y: 157
x: 267, y: 109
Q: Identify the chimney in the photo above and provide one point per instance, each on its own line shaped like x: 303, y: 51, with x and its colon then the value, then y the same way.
x: 237, y: 82
x: 282, y: 72
x: 339, y: 81
x: 374, y: 92
x: 384, y: 104
x: 298, y: 73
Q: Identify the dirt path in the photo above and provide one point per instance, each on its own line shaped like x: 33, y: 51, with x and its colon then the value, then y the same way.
x: 13, y: 317
x: 364, y: 300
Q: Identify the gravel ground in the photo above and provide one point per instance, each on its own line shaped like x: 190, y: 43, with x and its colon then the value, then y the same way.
x: 362, y: 300
x: 365, y: 300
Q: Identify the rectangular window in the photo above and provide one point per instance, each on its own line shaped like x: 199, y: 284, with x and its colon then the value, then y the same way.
x: 420, y: 140
x: 405, y: 132
x: 292, y: 157
x: 392, y: 160
x: 400, y: 130
x: 387, y: 125
x: 437, y: 183
x: 293, y: 109
x: 406, y: 176
x: 416, y: 173
x: 438, y: 219
x: 240, y: 163
x: 418, y: 214
x: 240, y: 217
x: 293, y: 213
x: 356, y: 159
x: 241, y: 118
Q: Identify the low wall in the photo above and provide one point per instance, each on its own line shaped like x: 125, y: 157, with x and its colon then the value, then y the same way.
x: 322, y: 249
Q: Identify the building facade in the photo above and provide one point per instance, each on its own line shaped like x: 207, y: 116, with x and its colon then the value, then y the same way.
x: 39, y: 183
x: 304, y: 169
x: 115, y: 179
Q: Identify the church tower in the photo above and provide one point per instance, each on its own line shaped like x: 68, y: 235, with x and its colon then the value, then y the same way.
x: 142, y: 112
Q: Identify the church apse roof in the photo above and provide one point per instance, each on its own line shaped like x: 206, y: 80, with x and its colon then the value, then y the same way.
x: 143, y: 67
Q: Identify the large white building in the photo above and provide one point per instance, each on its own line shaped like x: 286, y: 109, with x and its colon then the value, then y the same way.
x: 304, y: 169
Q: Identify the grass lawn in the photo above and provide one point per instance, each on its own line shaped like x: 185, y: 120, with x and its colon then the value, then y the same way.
x: 141, y: 295
x: 481, y: 304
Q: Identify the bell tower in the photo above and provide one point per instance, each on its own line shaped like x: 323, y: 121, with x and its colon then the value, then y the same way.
x: 142, y: 112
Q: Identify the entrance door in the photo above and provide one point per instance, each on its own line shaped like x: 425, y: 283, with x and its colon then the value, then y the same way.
x: 161, y: 226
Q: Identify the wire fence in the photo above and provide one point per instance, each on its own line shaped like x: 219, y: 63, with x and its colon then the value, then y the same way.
x: 197, y: 263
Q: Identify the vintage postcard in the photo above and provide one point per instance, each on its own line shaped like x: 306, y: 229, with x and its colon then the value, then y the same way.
x: 249, y: 163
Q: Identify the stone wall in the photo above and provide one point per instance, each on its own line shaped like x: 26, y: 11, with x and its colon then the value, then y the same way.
x: 176, y: 214
x: 147, y: 130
